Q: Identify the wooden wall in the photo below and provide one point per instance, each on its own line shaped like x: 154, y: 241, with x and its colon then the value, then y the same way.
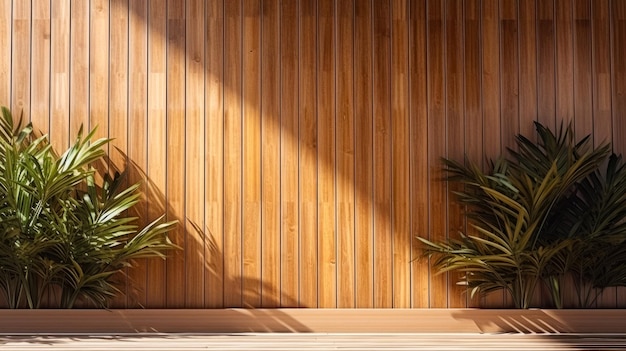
x: 298, y: 142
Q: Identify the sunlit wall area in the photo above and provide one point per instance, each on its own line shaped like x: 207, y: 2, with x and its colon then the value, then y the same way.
x: 299, y: 142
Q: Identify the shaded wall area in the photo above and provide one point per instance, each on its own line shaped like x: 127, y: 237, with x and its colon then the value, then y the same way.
x: 298, y: 142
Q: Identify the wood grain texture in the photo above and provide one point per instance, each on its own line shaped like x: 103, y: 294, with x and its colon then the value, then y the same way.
x: 400, y: 201
x: 364, y: 225
x: 289, y: 100
x: 195, y: 228
x: 455, y: 134
x: 308, y: 149
x: 270, y: 146
x: 138, y: 144
x: 40, y: 65
x: 176, y: 289
x: 298, y: 143
x: 20, y: 59
x: 418, y: 65
x: 473, y: 99
x: 326, y: 167
x: 251, y: 100
x: 118, y: 106
x: 233, y: 261
x: 79, y: 67
x: 382, y: 162
x: 346, y: 180
x: 6, y: 26
x: 157, y: 139
x: 491, y: 99
x: 214, y: 157
x: 437, y: 130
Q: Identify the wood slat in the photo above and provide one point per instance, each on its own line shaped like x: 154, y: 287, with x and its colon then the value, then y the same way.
x: 346, y: 174
x: 194, y: 153
x: 41, y: 28
x: 270, y: 146
x: 20, y: 59
x: 363, y: 85
x: 438, y: 296
x: 251, y: 100
x: 473, y: 98
x: 138, y: 143
x: 491, y: 97
x: 400, y: 218
x: 290, y: 215
x: 6, y: 43
x: 326, y: 168
x: 118, y: 104
x: 233, y: 260
x: 176, y: 289
x: 308, y: 149
x: 60, y: 84
x: 546, y: 70
x: 382, y: 162
x: 157, y: 139
x: 214, y: 162
x: 79, y: 93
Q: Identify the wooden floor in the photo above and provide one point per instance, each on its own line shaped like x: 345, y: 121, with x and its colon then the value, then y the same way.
x: 316, y: 341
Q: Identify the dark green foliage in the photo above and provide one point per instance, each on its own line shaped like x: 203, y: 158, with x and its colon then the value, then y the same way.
x: 554, y: 208
x: 59, y: 231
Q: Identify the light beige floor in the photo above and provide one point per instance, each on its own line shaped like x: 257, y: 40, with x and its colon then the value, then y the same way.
x: 315, y: 341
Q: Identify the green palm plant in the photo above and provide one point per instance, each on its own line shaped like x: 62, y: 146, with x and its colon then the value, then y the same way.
x: 58, y: 229
x: 512, y: 208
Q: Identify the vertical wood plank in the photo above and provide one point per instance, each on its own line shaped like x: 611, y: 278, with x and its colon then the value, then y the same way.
x: 618, y: 49
x: 99, y: 68
x: 546, y: 70
x: 270, y: 145
x: 5, y: 52
x: 232, y: 154
x: 40, y: 66
x: 214, y: 172
x: 419, y: 151
x: 400, y: 146
x: 79, y: 66
x: 345, y: 117
x: 326, y: 92
x: 582, y: 81
x: 20, y: 60
x: 437, y: 142
x: 565, y: 62
x: 138, y: 136
x: 509, y: 79
x: 175, y: 166
x: 527, y: 67
x: 383, y: 264
x: 157, y: 139
x: 290, y: 216
x: 60, y: 74
x: 251, y: 101
x: 601, y: 72
x: 118, y: 103
x: 455, y: 139
x: 619, y: 92
x: 308, y: 133
x: 491, y: 97
x: 528, y: 81
x: 473, y: 97
x: 509, y: 66
x: 194, y: 153
x: 363, y: 86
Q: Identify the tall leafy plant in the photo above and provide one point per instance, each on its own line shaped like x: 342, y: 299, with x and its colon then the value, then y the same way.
x: 512, y: 207
x: 59, y: 230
